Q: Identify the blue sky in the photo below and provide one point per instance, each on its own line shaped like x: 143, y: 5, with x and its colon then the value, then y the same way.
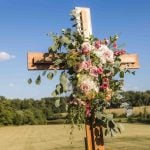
x: 23, y: 28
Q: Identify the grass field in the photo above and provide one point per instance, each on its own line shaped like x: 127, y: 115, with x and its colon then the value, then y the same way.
x: 136, y: 110
x: 55, y: 137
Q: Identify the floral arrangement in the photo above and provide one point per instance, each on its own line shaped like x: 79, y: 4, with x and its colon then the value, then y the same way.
x: 93, y: 76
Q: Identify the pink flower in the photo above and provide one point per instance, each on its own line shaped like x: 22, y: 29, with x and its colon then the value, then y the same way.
x: 88, y: 109
x: 115, y: 45
x: 85, y: 65
x: 122, y: 52
x: 105, y: 54
x: 106, y: 41
x: 116, y: 53
x: 86, y: 84
x: 85, y: 47
x: 99, y: 70
x: 93, y: 71
x: 97, y: 44
x: 105, y: 83
x: 119, y: 52
x: 105, y: 80
x: 104, y: 86
x: 108, y: 55
x: 85, y: 87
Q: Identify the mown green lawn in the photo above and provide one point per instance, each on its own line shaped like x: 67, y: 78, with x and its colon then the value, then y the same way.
x: 56, y: 137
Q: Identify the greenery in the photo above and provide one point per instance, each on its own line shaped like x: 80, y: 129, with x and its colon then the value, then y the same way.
x: 137, y: 98
x: 53, y: 110
x: 30, y: 111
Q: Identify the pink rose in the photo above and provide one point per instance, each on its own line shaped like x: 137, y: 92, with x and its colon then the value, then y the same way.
x: 108, y: 55
x: 99, y: 70
x: 116, y: 53
x: 119, y: 52
x: 85, y: 87
x: 105, y: 83
x: 85, y: 65
x: 104, y: 86
x: 93, y: 71
x: 85, y: 47
x: 97, y: 44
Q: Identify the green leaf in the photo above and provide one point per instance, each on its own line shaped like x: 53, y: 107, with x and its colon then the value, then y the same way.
x: 29, y: 81
x: 44, y: 72
x: 50, y: 76
x: 59, y: 89
x: 57, y: 62
x: 112, y: 133
x: 117, y: 64
x: 64, y: 81
x: 57, y: 103
x: 106, y: 132
x: 65, y: 88
x: 65, y: 40
x: 98, y: 115
x: 63, y: 77
x: 72, y: 19
x: 133, y: 72
x: 122, y: 74
x: 55, y: 72
x: 53, y: 48
x: 75, y: 25
x: 38, y: 80
x: 111, y: 124
x: 109, y: 116
x: 66, y: 31
x: 119, y: 129
x: 54, y: 94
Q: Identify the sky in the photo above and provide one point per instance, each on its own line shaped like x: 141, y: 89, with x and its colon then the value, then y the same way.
x: 25, y: 23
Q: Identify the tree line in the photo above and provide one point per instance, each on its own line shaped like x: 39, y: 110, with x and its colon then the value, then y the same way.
x: 133, y: 98
x: 31, y: 111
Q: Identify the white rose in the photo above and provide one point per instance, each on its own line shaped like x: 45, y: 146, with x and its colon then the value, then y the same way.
x: 105, y: 54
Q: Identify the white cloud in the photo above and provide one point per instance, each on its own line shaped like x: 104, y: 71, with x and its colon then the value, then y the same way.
x: 5, y: 56
x: 11, y: 84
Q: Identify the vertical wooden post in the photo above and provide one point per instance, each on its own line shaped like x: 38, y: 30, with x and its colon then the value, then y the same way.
x: 84, y: 21
x: 94, y: 134
x: 98, y: 138
x: 88, y: 130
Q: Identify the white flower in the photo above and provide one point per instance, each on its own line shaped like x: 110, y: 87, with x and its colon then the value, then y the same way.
x: 86, y: 47
x: 105, y: 54
x: 86, y: 84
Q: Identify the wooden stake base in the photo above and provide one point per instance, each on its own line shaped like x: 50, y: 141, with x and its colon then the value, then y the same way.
x: 94, y: 137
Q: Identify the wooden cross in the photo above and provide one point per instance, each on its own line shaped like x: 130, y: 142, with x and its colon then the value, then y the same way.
x: 45, y: 61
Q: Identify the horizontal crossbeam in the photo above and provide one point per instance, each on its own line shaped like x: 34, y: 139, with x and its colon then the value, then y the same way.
x: 46, y: 61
